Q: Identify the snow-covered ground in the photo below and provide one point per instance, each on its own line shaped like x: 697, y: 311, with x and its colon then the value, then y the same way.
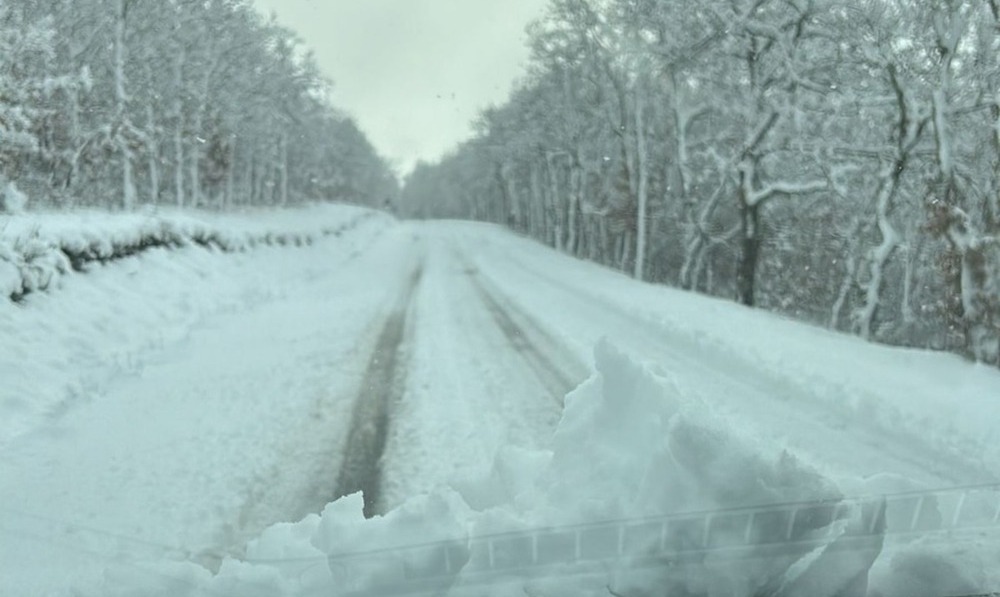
x: 66, y: 342
x: 173, y: 402
x: 168, y: 417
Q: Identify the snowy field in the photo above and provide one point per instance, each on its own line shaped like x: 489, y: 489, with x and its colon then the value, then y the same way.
x: 180, y: 421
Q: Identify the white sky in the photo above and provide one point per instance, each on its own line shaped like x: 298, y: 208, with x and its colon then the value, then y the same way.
x: 414, y: 73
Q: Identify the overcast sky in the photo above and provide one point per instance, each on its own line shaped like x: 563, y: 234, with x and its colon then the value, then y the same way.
x: 414, y: 73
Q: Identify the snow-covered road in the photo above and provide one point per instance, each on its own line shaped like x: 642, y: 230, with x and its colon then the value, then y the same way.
x: 417, y: 352
x: 479, y: 377
x: 240, y: 417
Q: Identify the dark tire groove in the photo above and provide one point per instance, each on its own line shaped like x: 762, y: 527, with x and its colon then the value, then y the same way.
x: 556, y: 379
x: 381, y: 388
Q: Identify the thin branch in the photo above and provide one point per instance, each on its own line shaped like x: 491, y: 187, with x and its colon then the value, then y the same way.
x: 759, y: 134
x: 786, y: 188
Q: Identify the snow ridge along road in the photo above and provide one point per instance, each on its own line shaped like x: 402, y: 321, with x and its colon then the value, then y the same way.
x: 381, y: 388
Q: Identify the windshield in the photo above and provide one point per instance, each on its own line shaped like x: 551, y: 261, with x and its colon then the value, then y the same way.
x: 538, y: 297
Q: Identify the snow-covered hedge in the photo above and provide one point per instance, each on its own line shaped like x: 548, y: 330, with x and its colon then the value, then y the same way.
x: 37, y: 249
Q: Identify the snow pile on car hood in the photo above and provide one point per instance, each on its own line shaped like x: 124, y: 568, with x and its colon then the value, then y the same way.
x: 630, y: 444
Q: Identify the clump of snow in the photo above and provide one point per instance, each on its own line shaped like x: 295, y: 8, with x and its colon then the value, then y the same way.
x: 12, y: 199
x: 631, y: 443
x: 924, y: 571
x: 10, y: 275
x: 344, y: 533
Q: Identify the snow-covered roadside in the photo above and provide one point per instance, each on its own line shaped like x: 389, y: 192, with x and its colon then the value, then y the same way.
x: 58, y: 350
x: 175, y: 403
x: 38, y: 248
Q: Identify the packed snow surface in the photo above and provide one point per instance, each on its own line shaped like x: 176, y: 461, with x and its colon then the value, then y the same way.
x: 174, y: 421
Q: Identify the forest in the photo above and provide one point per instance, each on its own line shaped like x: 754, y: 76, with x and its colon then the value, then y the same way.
x: 188, y: 103
x: 835, y: 162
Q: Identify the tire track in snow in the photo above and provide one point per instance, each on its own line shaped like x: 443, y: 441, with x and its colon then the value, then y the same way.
x: 469, y: 392
x: 381, y: 388
x: 533, y: 344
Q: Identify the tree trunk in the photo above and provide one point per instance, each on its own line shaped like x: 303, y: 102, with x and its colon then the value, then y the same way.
x: 153, y: 151
x: 746, y: 265
x: 641, y: 189
x: 573, y: 207
x: 555, y: 213
x: 908, y: 133
x: 74, y: 163
x: 538, y: 224
x: 881, y: 253
x: 283, y: 170
x: 228, y: 200
x: 121, y: 108
x: 179, y: 128
x: 194, y: 159
x: 851, y: 259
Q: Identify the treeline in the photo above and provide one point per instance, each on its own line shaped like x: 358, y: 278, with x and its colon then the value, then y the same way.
x: 118, y: 103
x: 835, y: 161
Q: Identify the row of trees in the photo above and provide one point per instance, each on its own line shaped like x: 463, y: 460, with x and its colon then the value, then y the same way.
x: 182, y: 102
x: 836, y: 161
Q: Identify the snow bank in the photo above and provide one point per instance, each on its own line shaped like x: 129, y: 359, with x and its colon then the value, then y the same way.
x: 59, y: 349
x: 630, y: 444
x: 36, y: 249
